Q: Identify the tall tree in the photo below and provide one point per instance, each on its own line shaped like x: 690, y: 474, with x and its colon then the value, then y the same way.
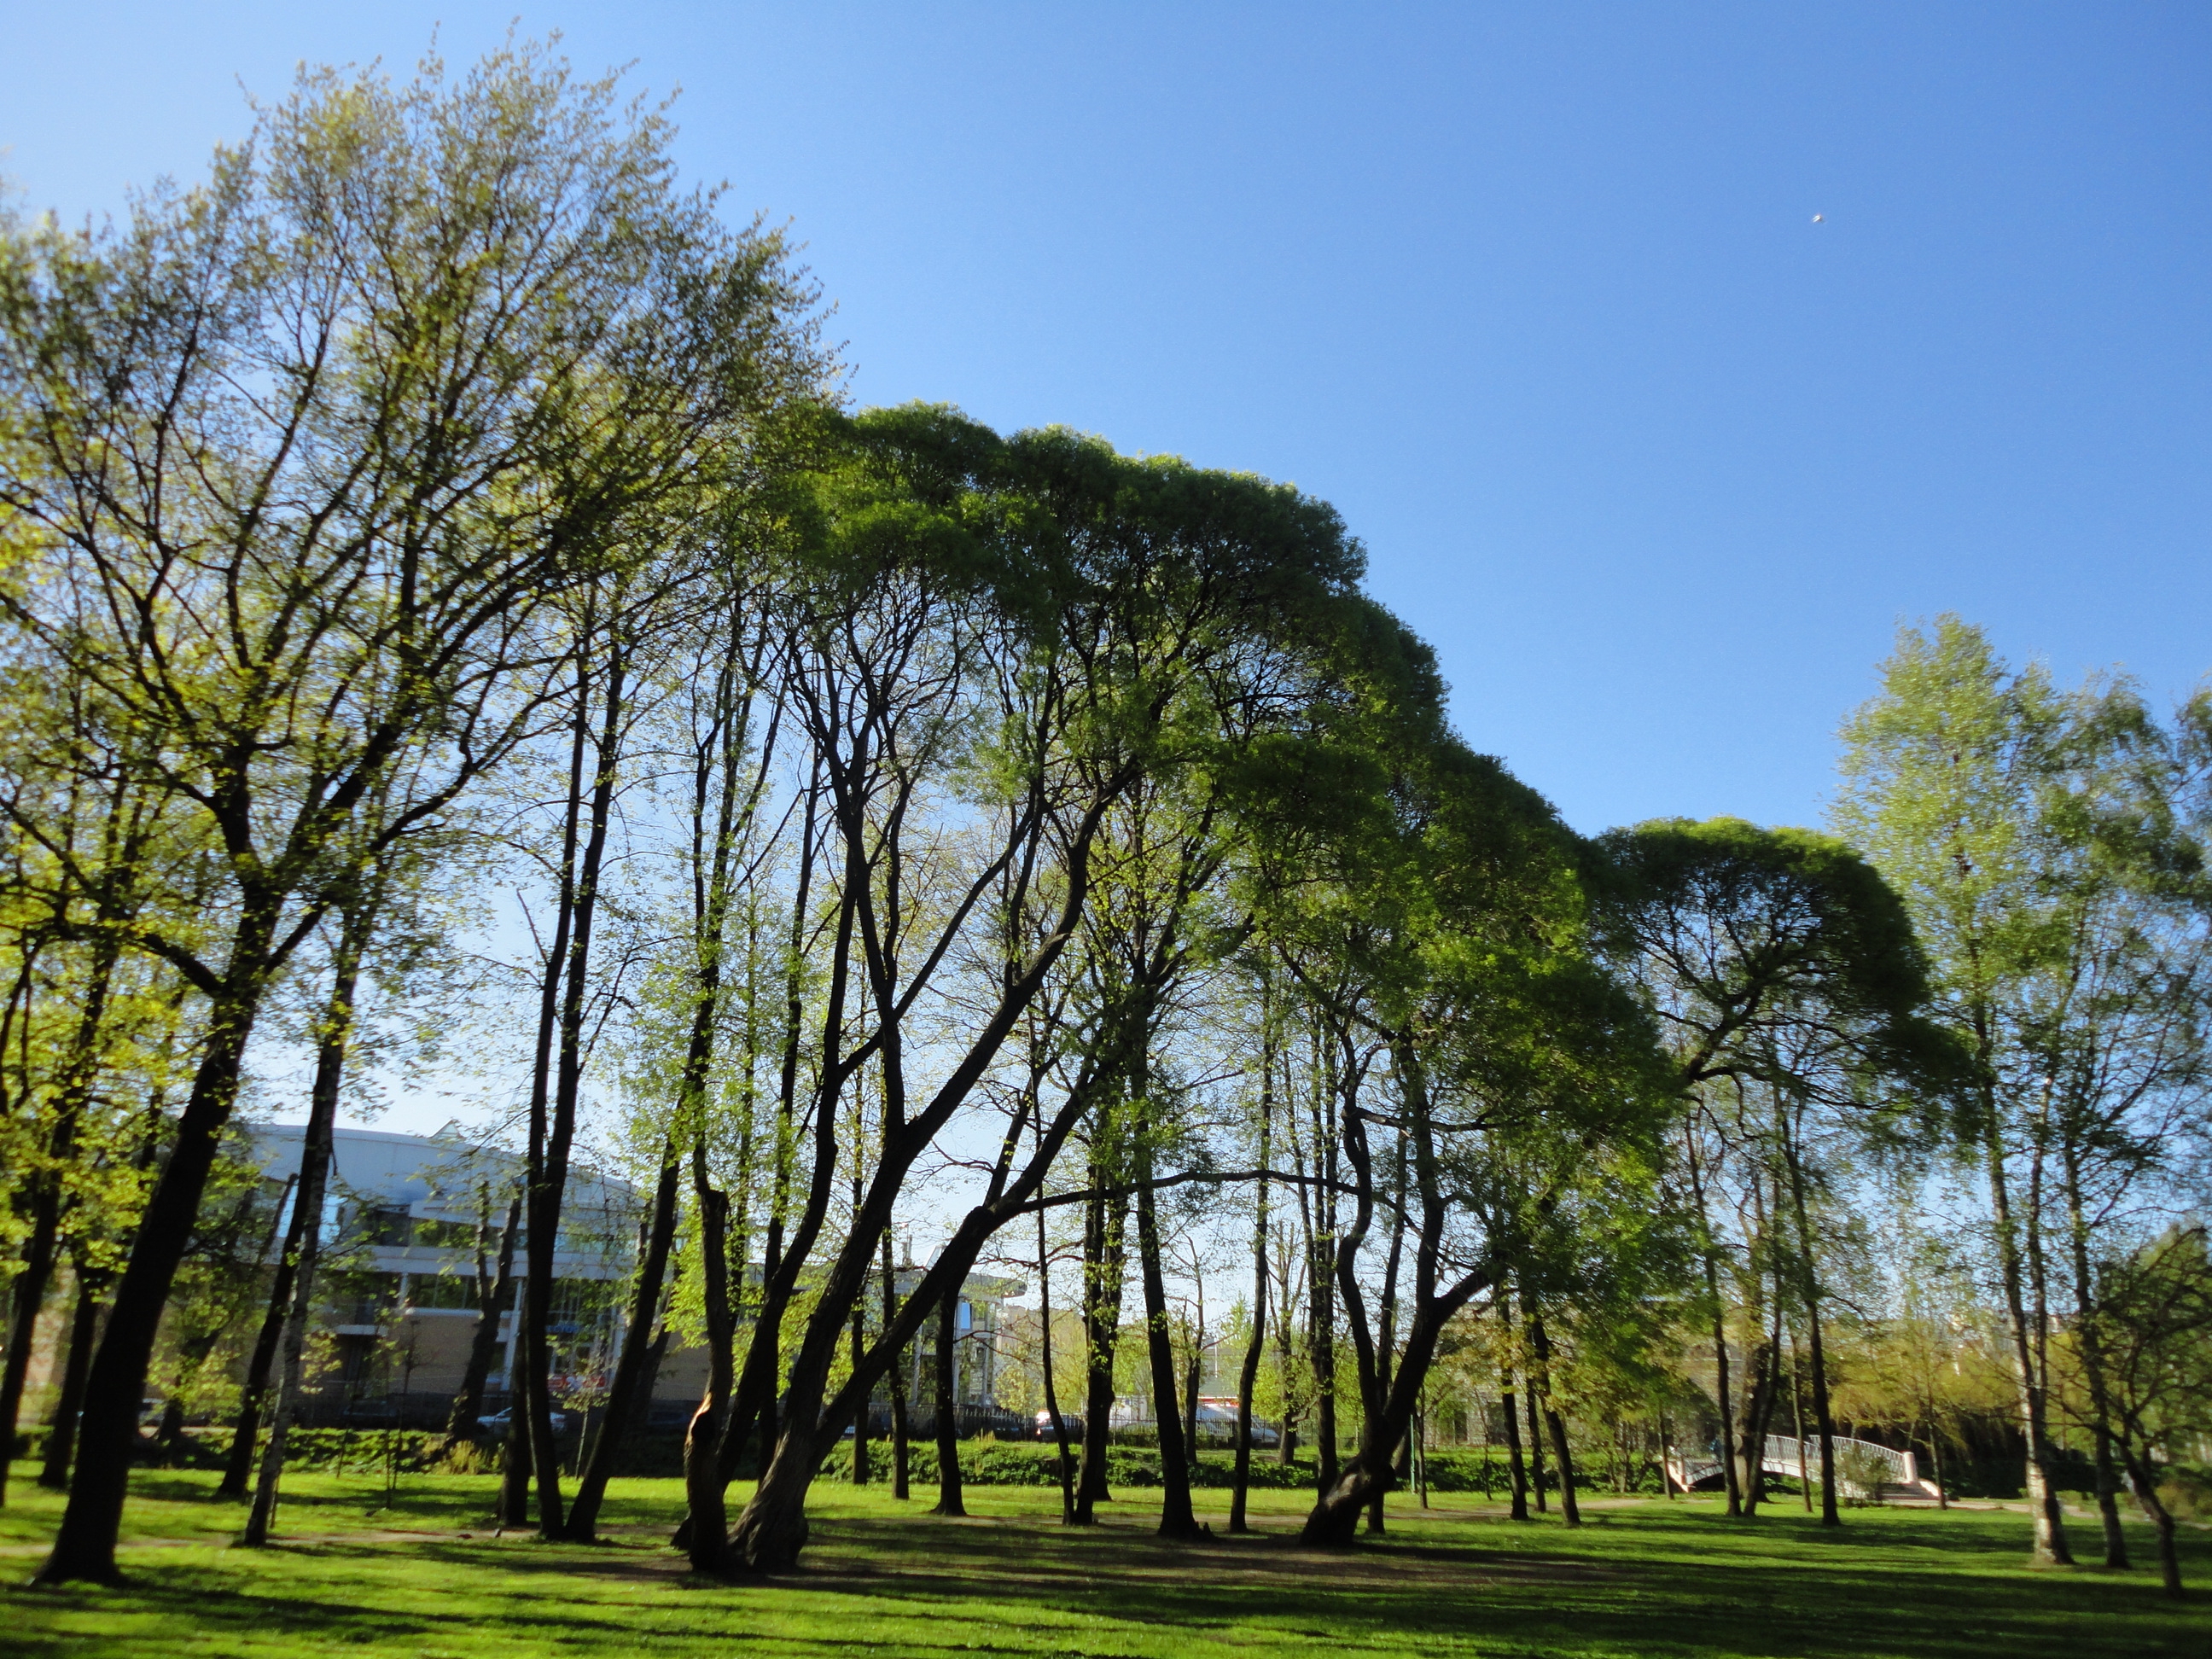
x: 305, y: 452
x: 2032, y: 832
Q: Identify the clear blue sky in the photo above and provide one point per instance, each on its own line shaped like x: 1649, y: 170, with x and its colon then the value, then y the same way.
x: 1532, y: 292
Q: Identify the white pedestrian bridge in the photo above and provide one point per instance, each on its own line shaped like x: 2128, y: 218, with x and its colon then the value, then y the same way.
x: 1800, y: 1460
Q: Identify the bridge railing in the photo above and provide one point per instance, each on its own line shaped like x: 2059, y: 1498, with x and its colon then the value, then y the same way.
x: 1785, y: 1454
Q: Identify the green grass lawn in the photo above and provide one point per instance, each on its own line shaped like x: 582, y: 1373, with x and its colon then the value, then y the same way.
x: 422, y: 1578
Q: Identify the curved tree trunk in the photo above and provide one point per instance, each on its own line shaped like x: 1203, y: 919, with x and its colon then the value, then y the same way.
x: 2145, y: 1483
x: 703, y: 1481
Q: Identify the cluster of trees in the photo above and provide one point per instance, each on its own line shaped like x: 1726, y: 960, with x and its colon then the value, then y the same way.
x: 914, y: 826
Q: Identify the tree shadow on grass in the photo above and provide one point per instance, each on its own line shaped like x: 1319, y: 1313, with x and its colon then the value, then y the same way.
x: 208, y: 1605
x: 1851, y: 1600
x: 1649, y: 1584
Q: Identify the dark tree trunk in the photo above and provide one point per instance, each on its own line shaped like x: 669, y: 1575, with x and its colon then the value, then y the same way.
x: 703, y: 1480
x: 1051, y: 1391
x: 860, y: 1417
x: 898, y: 1379
x: 1809, y: 1277
x: 2049, y: 1530
x: 551, y: 1138
x: 1335, y: 1516
x: 2086, y: 1325
x: 238, y: 1470
x: 315, y: 1160
x: 514, y: 1449
x: 84, y: 1324
x: 2145, y: 1482
x: 492, y: 1301
x: 949, y: 1501
x: 84, y: 1545
x: 1561, y: 1451
x: 1515, y: 1465
x: 1322, y: 1340
x: 1103, y: 1251
x: 1536, y: 1480
x: 74, y: 1090
x: 29, y: 1294
x: 1750, y: 1448
x: 1177, y: 1518
x: 1193, y: 1376
x: 629, y: 1366
x: 1249, y: 1374
x: 1729, y: 1479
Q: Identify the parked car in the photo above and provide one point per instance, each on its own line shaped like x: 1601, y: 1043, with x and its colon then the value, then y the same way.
x: 1216, y: 1426
x: 501, y: 1422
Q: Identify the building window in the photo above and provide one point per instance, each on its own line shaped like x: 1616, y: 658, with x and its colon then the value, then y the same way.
x: 392, y: 1228
x: 442, y: 1290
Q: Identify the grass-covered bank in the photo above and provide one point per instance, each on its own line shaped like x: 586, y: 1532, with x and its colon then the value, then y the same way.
x: 421, y: 1578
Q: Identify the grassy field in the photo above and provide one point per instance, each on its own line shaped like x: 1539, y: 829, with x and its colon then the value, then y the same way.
x: 422, y: 1578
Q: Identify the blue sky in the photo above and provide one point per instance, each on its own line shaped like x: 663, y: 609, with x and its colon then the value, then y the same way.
x: 1533, y: 293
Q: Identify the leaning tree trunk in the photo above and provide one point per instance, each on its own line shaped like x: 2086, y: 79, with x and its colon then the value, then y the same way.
x: 315, y: 1146
x: 1532, y: 1399
x: 262, y: 1516
x: 1335, y: 1516
x: 629, y: 1366
x: 40, y: 1249
x: 238, y: 1470
x: 2146, y: 1490
x: 84, y: 1545
x: 1563, y: 1453
x: 29, y: 1294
